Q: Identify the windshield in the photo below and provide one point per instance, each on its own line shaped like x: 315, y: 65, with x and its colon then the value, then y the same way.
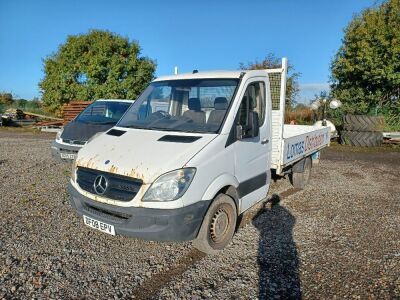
x: 103, y: 112
x: 194, y: 105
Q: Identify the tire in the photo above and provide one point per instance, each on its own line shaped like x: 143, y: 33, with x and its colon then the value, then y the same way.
x: 361, y: 139
x: 218, y: 225
x: 363, y: 123
x: 301, y: 179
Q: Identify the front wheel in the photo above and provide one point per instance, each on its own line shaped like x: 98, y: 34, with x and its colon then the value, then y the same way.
x: 218, y: 225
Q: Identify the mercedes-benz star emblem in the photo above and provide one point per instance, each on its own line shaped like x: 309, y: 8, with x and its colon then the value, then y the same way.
x: 100, y: 184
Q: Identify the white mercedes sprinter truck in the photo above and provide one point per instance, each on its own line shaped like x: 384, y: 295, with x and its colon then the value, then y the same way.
x: 193, y: 153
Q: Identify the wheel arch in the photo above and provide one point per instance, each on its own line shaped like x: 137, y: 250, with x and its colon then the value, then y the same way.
x: 232, y: 192
x: 225, y: 184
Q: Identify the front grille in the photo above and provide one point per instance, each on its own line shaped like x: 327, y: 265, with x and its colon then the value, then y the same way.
x: 73, y: 142
x: 119, y: 187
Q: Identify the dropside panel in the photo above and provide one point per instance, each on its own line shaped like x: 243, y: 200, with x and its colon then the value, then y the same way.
x: 301, y: 141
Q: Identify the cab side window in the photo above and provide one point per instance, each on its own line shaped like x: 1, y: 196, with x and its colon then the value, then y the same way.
x: 253, y: 101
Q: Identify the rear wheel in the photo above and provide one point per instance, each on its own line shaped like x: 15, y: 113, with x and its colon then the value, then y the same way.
x: 301, y: 179
x: 218, y: 225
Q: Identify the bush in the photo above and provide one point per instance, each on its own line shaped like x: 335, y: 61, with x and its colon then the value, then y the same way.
x: 302, y: 116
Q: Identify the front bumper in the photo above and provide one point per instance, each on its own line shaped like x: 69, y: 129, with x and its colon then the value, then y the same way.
x: 58, y: 148
x: 180, y: 224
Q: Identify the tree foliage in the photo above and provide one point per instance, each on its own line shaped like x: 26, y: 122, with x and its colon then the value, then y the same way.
x: 96, y: 65
x: 272, y: 62
x: 366, y: 69
x: 6, y: 98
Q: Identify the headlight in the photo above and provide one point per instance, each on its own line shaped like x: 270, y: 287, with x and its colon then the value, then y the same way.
x: 59, y: 133
x: 170, y: 186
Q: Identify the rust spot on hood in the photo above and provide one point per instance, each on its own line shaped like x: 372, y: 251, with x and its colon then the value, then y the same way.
x: 134, y: 173
x: 113, y: 169
x: 86, y: 164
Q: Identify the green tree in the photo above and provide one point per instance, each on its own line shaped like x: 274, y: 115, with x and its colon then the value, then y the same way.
x: 96, y: 65
x: 6, y: 98
x: 366, y: 69
x: 272, y: 62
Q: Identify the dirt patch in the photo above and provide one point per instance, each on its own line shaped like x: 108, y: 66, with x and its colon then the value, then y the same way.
x: 388, y: 157
x: 387, y: 147
x: 23, y: 133
x: 152, y: 286
x: 353, y: 175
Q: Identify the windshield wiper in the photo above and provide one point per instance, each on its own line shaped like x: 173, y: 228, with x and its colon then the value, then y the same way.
x: 159, y: 128
x: 105, y: 123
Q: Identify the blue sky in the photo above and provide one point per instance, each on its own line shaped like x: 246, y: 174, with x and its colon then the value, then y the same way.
x: 203, y: 35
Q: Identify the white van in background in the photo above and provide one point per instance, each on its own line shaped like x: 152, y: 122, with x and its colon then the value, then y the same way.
x: 99, y: 116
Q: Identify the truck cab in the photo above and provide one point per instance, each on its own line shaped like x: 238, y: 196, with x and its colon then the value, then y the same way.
x: 193, y: 153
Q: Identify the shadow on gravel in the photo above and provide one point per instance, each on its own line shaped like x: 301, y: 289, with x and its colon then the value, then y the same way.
x: 277, y: 252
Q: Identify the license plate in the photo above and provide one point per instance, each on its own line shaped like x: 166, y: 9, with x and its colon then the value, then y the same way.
x: 68, y: 155
x: 103, y: 227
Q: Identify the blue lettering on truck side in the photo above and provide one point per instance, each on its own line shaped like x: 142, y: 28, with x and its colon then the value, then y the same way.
x: 294, y: 150
x: 310, y: 142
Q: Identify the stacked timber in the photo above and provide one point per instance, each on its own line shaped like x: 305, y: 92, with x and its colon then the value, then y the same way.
x: 74, y: 108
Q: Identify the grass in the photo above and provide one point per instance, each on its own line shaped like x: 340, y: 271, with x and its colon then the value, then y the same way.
x: 391, y: 128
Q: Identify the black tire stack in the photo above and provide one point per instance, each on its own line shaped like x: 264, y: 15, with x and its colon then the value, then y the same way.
x: 362, y: 131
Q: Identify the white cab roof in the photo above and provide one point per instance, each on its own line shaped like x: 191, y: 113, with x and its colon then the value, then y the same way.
x: 200, y: 75
x: 214, y: 74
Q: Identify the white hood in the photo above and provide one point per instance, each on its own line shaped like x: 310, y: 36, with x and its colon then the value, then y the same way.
x: 138, y: 153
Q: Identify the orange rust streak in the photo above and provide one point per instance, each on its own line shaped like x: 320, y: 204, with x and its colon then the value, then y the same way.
x: 113, y: 169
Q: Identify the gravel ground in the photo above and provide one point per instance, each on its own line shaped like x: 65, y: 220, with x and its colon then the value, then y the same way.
x: 338, y: 238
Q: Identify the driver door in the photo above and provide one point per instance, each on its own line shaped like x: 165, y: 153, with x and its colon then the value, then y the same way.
x: 252, y: 153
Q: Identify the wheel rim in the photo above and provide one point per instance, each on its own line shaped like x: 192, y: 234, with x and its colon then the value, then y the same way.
x: 219, y: 225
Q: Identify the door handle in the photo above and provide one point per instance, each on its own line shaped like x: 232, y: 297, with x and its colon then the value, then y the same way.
x: 265, y: 141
